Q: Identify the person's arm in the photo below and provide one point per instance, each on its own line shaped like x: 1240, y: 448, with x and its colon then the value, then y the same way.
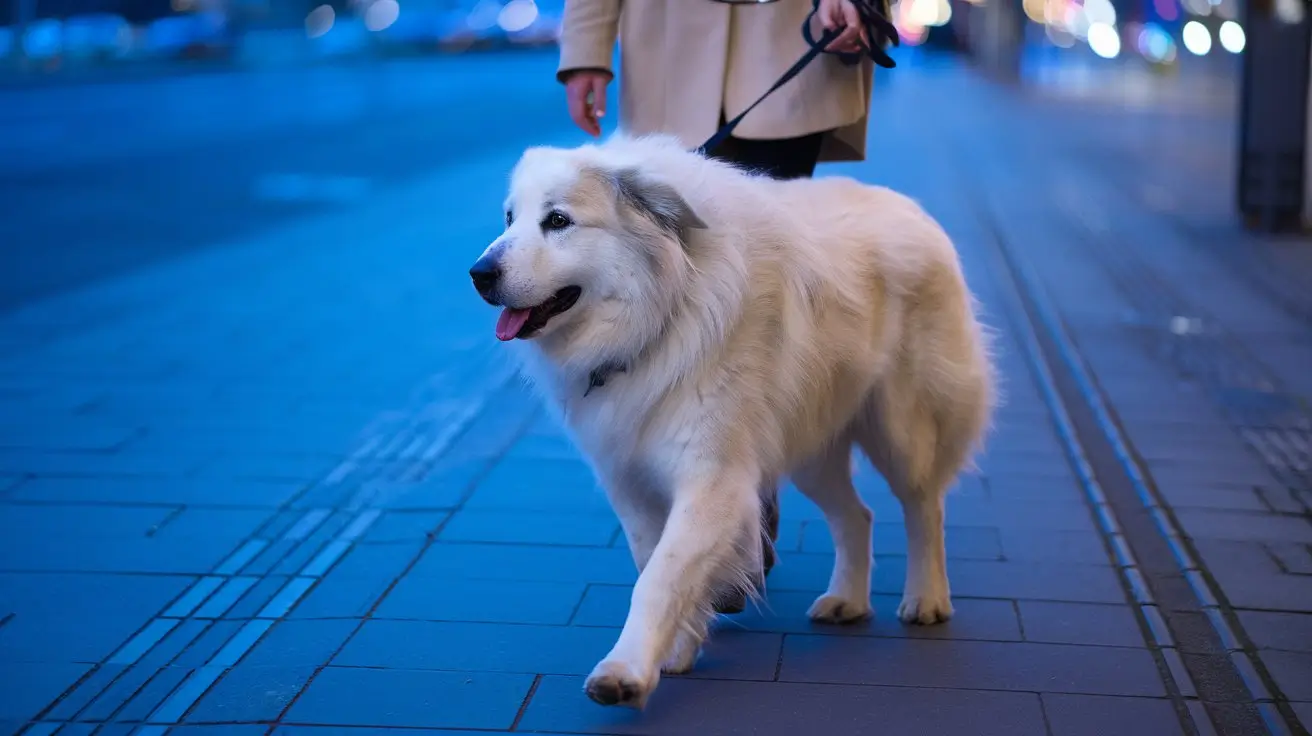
x: 587, y: 42
x: 588, y: 31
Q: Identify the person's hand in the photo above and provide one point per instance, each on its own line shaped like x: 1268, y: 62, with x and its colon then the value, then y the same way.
x: 585, y: 90
x: 836, y: 14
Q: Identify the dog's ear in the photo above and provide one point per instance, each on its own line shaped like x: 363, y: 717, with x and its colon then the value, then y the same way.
x: 657, y: 200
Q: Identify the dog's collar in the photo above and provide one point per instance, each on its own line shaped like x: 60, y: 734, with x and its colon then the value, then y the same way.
x: 599, y: 375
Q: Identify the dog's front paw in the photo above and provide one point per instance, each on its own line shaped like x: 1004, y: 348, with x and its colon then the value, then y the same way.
x: 925, y: 609
x: 615, y: 683
x: 835, y: 609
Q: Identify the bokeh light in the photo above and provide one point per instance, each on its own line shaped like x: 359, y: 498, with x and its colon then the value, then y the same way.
x: 1197, y: 39
x: 1104, y: 41
x: 319, y: 21
x: 1232, y: 37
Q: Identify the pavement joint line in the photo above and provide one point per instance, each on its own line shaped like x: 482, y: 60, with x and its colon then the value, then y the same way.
x: 232, y: 586
x: 194, y: 596
x: 226, y: 597
x: 456, y: 430
x: 307, y: 524
x: 1096, y: 498
x: 144, y: 640
x: 194, y: 688
x: 1110, y: 432
x: 242, y: 557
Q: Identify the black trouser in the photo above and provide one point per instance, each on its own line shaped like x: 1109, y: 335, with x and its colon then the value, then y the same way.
x: 782, y: 158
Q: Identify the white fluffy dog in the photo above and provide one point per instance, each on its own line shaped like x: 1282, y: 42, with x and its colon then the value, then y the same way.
x: 706, y: 332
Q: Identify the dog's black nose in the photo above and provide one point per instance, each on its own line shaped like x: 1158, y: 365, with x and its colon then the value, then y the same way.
x: 485, y: 273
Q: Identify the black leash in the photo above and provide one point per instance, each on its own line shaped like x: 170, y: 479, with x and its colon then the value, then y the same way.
x: 878, y: 29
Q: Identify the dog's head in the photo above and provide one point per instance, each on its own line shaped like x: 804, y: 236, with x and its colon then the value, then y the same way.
x: 594, y: 253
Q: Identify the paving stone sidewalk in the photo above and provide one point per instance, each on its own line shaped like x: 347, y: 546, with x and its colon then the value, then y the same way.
x: 289, y: 487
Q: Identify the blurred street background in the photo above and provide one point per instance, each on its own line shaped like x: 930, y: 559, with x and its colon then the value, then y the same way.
x: 263, y: 468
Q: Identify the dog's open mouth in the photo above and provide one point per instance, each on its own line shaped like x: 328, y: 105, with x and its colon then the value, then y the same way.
x: 522, y: 323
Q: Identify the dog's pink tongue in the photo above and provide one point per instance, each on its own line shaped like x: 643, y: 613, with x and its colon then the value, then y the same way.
x: 511, y: 322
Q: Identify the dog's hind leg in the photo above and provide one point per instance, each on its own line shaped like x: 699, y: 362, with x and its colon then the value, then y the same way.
x: 827, y: 480
x: 917, y: 445
x: 713, y: 521
x: 733, y: 599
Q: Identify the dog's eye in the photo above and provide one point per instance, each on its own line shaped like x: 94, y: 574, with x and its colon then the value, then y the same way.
x: 556, y: 221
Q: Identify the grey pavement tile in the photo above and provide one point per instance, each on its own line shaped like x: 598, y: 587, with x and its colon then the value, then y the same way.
x: 1050, y: 469
x: 190, y: 492
x: 127, y: 462
x: 474, y: 647
x: 969, y: 578
x: 963, y: 542
x: 527, y: 562
x: 226, y: 729
x: 1020, y: 490
x: 10, y: 482
x: 558, y: 486
x: 308, y: 438
x: 1292, y: 672
x: 207, y: 644
x: 137, y: 704
x: 298, y: 468
x: 471, y: 525
x: 79, y: 697
x: 1270, y: 630
x: 971, y: 664
x: 50, y: 610
x: 533, y: 447
x: 1252, y: 579
x: 1219, y: 498
x: 1244, y: 526
x: 1294, y: 558
x: 784, y: 612
x: 254, y: 600
x: 1034, y: 545
x: 376, y: 561
x: 404, y: 526
x: 250, y: 693
x: 1053, y: 515
x: 1248, y: 472
x: 175, y: 642
x: 368, y: 731
x: 374, y: 697
x: 421, y: 597
x: 1303, y: 711
x: 70, y: 434
x: 340, y: 597
x: 198, y: 524
x: 1285, y: 500
x: 300, y: 643
x: 119, y: 539
x: 1080, y: 623
x: 31, y: 686
x: 684, y: 706
x: 1096, y: 715
x: 443, y: 489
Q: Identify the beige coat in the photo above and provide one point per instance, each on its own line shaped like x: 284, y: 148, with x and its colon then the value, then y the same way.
x: 683, y: 63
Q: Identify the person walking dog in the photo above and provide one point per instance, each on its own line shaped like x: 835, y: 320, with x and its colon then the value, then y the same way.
x: 686, y: 66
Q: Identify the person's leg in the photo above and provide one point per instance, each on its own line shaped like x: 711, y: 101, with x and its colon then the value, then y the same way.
x: 784, y: 158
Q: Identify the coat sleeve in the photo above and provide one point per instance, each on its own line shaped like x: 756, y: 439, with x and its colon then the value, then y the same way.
x: 587, y: 35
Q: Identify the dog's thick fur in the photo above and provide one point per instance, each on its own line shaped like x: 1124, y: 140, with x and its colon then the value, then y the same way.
x: 734, y: 330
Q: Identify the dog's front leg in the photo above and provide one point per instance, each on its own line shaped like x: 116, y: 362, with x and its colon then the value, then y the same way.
x: 713, y: 520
